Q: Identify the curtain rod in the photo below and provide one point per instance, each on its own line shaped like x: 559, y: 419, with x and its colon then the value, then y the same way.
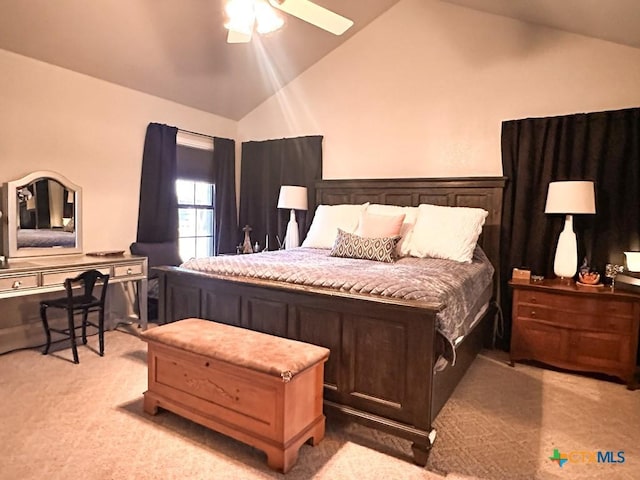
x: 195, y: 133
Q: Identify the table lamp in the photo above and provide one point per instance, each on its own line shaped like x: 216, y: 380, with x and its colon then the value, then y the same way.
x: 569, y: 198
x: 294, y: 198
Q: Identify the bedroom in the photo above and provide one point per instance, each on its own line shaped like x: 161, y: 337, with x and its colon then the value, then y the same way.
x: 456, y: 74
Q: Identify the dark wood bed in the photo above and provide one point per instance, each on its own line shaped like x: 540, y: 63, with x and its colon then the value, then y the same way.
x: 381, y: 368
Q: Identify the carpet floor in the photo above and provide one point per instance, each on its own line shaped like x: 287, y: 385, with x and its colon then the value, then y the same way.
x: 60, y: 420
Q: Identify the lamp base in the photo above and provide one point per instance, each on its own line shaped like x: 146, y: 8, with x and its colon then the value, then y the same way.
x: 565, y: 264
x: 292, y: 237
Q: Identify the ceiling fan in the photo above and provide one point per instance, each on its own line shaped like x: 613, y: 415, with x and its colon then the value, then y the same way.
x: 245, y: 14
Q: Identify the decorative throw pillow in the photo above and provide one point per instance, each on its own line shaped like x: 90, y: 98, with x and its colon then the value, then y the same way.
x: 447, y: 232
x: 326, y: 221
x: 410, y: 217
x: 377, y: 226
x: 349, y: 245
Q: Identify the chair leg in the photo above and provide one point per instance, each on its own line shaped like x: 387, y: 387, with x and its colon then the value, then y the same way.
x: 45, y: 324
x: 85, y: 314
x: 101, y: 330
x: 72, y: 336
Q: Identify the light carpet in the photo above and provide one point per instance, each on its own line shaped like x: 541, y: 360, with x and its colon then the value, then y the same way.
x: 59, y: 420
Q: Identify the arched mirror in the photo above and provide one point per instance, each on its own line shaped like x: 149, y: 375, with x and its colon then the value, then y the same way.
x: 41, y: 216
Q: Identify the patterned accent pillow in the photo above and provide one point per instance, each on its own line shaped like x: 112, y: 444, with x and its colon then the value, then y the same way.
x: 349, y: 245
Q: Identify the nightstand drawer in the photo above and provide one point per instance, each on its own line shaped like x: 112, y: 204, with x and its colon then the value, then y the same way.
x: 578, y: 304
x: 575, y: 320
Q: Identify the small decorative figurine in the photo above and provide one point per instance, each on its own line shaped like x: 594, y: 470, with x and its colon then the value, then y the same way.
x: 246, y: 245
x: 584, y: 268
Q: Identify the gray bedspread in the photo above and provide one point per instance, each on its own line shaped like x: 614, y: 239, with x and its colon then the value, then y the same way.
x: 45, y: 238
x: 455, y: 287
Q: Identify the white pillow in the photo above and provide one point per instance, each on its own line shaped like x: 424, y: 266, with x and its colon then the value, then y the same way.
x: 447, y: 232
x: 410, y: 217
x: 328, y: 219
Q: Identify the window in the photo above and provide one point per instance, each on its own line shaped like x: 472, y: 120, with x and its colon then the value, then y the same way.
x: 196, y: 218
x: 196, y: 195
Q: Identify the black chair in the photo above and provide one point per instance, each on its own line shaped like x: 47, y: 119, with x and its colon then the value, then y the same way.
x: 83, y: 302
x: 158, y: 254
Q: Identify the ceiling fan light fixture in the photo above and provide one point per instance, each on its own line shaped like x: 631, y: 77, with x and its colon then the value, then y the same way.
x: 244, y: 15
x: 241, y: 15
x: 267, y: 20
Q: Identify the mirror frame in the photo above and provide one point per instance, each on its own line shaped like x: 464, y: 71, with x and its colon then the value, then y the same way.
x: 10, y: 217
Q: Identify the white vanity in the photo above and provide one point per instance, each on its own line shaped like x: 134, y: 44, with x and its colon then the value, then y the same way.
x: 42, y: 246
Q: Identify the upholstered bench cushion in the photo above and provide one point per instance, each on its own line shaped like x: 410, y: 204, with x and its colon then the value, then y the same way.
x: 253, y: 350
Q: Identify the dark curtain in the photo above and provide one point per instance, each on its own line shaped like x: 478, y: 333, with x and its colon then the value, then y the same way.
x: 603, y: 147
x: 43, y: 212
x: 158, y: 210
x: 224, y: 160
x: 266, y: 166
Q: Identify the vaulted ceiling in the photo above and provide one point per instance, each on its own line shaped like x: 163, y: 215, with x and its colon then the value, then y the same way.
x: 176, y: 49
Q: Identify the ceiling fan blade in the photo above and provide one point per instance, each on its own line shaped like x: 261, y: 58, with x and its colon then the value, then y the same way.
x: 238, y: 37
x: 314, y: 14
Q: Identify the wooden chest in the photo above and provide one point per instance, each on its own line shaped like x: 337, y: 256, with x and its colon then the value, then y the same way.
x: 262, y: 390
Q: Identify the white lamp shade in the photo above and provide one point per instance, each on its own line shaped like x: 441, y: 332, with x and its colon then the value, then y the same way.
x: 633, y: 261
x: 293, y: 197
x: 571, y: 197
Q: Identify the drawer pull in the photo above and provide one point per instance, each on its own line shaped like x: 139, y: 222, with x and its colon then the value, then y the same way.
x: 129, y: 271
x: 533, y: 313
x: 17, y: 284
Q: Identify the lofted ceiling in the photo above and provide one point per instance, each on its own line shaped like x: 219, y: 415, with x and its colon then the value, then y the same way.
x: 613, y: 20
x: 176, y: 49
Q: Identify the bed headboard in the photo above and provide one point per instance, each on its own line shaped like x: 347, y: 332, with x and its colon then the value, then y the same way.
x: 479, y: 192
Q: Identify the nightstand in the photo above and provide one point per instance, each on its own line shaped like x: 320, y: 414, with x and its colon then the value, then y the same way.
x: 578, y: 328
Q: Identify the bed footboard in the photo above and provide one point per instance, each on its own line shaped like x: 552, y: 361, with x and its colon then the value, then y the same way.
x: 380, y: 371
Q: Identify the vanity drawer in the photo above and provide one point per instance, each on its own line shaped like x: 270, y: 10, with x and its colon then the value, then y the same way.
x: 133, y: 269
x: 18, y: 282
x: 58, y: 278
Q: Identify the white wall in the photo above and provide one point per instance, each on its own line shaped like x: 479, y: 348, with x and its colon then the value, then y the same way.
x: 422, y: 91
x: 90, y: 131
